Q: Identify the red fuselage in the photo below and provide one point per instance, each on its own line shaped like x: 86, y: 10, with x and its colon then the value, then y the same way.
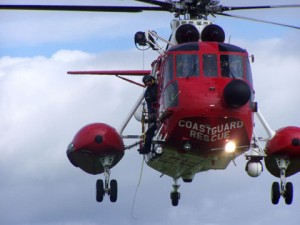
x: 207, y: 106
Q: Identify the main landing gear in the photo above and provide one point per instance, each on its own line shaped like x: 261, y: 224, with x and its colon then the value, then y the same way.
x: 284, y: 189
x: 109, y: 187
x: 175, y: 195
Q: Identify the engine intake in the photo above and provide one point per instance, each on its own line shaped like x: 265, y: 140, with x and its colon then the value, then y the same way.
x: 213, y: 32
x: 187, y: 33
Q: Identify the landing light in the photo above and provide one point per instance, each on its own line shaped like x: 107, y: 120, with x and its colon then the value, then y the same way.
x: 158, y: 150
x: 230, y: 147
x: 187, y: 146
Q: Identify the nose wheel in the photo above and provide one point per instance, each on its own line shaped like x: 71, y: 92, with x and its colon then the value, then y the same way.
x: 284, y: 189
x: 109, y: 187
x: 175, y: 195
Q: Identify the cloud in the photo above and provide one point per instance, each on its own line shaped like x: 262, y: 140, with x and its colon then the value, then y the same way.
x: 33, y: 29
x: 275, y: 72
x: 41, y: 109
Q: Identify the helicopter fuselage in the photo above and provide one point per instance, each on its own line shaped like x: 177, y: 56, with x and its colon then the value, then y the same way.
x: 202, y: 109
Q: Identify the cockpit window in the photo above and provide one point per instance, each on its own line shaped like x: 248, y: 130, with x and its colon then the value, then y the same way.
x: 210, y: 66
x: 232, y: 66
x: 168, y: 70
x: 248, y: 71
x: 171, y: 95
x: 187, y: 65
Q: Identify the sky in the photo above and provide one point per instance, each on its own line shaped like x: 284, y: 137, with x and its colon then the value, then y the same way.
x: 42, y: 108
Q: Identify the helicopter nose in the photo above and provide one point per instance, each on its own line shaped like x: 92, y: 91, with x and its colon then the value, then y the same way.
x: 237, y: 93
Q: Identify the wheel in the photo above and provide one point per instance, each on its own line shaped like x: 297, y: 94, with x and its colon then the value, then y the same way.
x: 175, y: 196
x: 275, y: 193
x: 288, y: 195
x: 113, y: 194
x: 99, y: 190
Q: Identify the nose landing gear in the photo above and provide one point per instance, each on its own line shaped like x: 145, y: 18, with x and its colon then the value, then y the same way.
x: 175, y: 195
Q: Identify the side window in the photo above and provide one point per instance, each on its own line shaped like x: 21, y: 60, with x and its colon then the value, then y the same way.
x: 168, y: 70
x: 171, y: 95
x: 232, y: 66
x: 154, y: 69
x: 210, y: 67
x: 248, y: 71
x: 187, y: 65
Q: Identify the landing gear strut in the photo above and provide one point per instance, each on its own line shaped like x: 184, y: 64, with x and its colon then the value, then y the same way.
x: 109, y: 187
x: 175, y: 195
x: 284, y: 189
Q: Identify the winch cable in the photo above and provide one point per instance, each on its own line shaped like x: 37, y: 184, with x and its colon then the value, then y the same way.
x: 137, y: 188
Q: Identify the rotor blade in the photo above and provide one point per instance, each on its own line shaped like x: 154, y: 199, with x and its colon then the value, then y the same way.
x: 130, y: 9
x: 229, y: 8
x: 165, y: 5
x: 257, y: 20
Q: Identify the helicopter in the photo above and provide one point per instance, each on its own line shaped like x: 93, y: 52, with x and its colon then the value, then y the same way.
x: 204, y: 119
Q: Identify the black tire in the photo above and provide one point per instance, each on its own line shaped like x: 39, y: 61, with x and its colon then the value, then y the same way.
x: 99, y: 191
x: 113, y: 195
x: 275, y: 193
x: 175, y: 196
x: 288, y: 195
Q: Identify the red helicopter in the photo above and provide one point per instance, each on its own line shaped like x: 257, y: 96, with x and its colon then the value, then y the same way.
x: 205, y: 107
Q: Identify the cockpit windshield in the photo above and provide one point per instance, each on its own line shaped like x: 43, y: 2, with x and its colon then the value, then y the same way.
x: 210, y: 65
x: 232, y: 66
x: 187, y: 65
